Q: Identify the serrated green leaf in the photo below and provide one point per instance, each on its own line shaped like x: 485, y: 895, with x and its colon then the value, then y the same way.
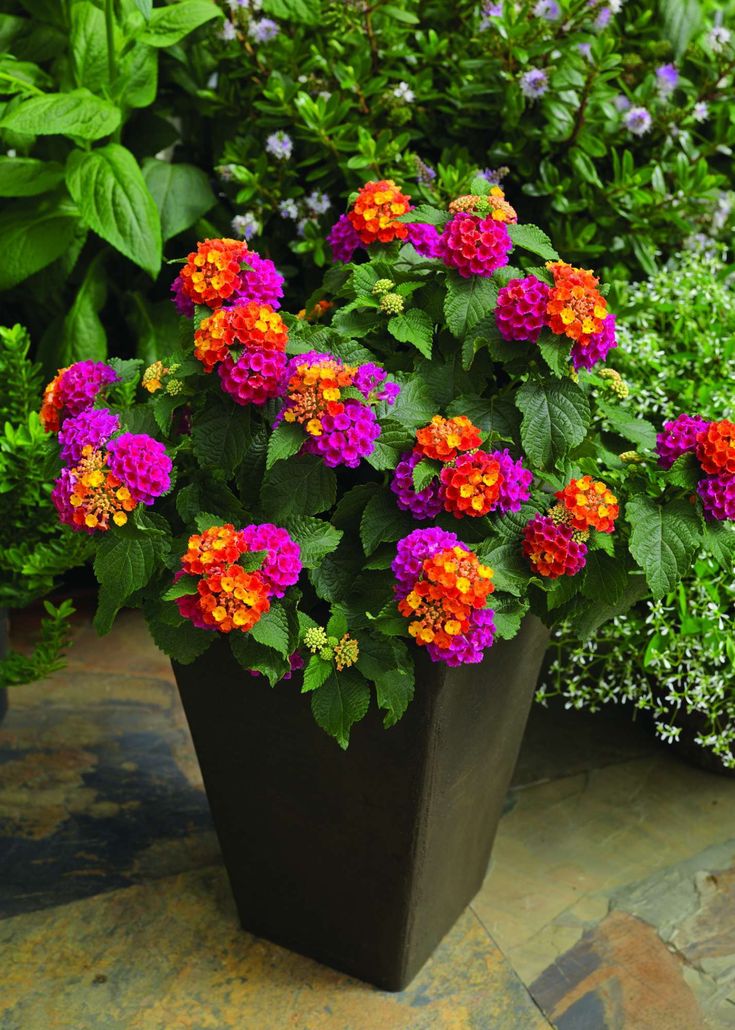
x: 124, y: 563
x: 394, y: 692
x: 604, y: 578
x: 254, y: 656
x: 555, y: 352
x: 340, y: 702
x: 414, y: 406
x: 511, y: 571
x: 534, y: 240
x: 220, y: 436
x: 285, y: 441
x: 556, y: 416
x: 426, y: 214
x: 719, y: 540
x: 685, y: 472
x: 185, y: 586
x: 300, y: 485
x: 424, y: 473
x: 415, y: 327
x: 317, y: 670
x: 467, y: 301
x: 621, y: 421
x: 251, y: 561
x: 271, y: 629
x: 174, y: 635
x: 394, y: 441
x: 663, y: 540
x: 315, y: 537
x: 508, y: 615
x: 382, y: 521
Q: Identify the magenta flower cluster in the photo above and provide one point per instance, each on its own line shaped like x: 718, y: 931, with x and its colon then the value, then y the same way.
x: 424, y: 238
x: 90, y: 428
x: 261, y: 283
x: 255, y: 377
x: 373, y: 383
x: 81, y: 383
x: 521, y: 310
x: 515, y: 485
x: 346, y: 438
x: 468, y: 648
x: 717, y: 494
x: 423, y: 504
x: 598, y: 347
x: 474, y: 245
x: 678, y: 437
x: 142, y: 464
x: 343, y: 240
x: 282, y: 564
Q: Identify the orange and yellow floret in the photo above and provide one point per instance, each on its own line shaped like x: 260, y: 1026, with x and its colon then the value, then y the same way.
x: 472, y: 485
x: 215, y: 547
x: 376, y: 210
x: 232, y: 598
x: 444, y: 438
x: 52, y: 403
x: 575, y: 307
x: 97, y: 496
x: 493, y: 204
x: 453, y: 583
x: 590, y: 503
x: 252, y: 325
x: 212, y: 272
x: 315, y: 390
x: 715, y: 448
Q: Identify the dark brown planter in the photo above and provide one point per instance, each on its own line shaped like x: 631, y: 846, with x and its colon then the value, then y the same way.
x: 365, y: 858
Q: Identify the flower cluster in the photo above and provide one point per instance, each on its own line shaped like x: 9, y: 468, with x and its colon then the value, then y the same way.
x: 493, y: 204
x: 551, y: 548
x: 443, y: 589
x: 471, y: 481
x: 90, y: 428
x: 575, y: 307
x: 374, y: 215
x: 713, y: 445
x: 590, y: 503
x: 228, y: 597
x: 679, y: 437
x: 74, y: 389
x: 213, y: 272
x: 343, y: 240
x: 342, y: 430
x: 105, y: 483
x: 521, y: 310
x: 474, y: 245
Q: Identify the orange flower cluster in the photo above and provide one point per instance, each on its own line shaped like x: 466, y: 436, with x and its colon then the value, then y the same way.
x: 472, y: 485
x: 315, y: 390
x: 716, y: 448
x: 493, y: 204
x: 252, y: 325
x: 52, y: 404
x: 97, y: 496
x: 591, y: 504
x: 231, y: 598
x: 575, y: 308
x: 444, y: 438
x: 212, y: 272
x: 315, y: 313
x: 453, y: 583
x: 374, y: 213
x: 215, y: 547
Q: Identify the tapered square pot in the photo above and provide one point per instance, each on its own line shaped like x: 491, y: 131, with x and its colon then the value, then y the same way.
x: 365, y: 858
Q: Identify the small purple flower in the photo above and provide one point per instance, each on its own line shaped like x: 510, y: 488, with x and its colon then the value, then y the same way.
x: 263, y: 30
x: 637, y: 121
x: 373, y: 383
x: 317, y: 202
x: 549, y: 10
x: 425, y: 174
x: 621, y: 102
x: 534, y: 83
x: 228, y: 31
x: 667, y: 79
x: 423, y: 504
x: 288, y: 209
x: 488, y: 11
x: 493, y: 175
x: 603, y: 17
x: 280, y: 145
x: 700, y: 112
x: 585, y: 50
x: 246, y: 225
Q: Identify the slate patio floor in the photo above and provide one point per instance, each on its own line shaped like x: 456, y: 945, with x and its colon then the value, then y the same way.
x: 609, y: 903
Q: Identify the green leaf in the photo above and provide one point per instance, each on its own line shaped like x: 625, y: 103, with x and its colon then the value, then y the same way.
x: 317, y: 670
x: 181, y: 192
x: 89, y: 45
x: 27, y: 176
x: 556, y: 416
x: 534, y: 240
x: 301, y: 485
x: 271, y: 629
x: 31, y: 237
x: 394, y: 692
x: 394, y: 441
x: 425, y: 213
x: 114, y: 201
x: 308, y: 12
x: 621, y: 421
x: 83, y: 336
x: 286, y: 440
x: 508, y: 615
x: 174, y: 635
x: 510, y: 527
x: 555, y: 352
x: 170, y: 24
x: 382, y: 521
x: 680, y: 20
x: 467, y: 301
x: 185, y: 586
x: 251, y: 561
x: 415, y: 405
x: 604, y: 578
x: 124, y: 563
x: 385, y: 662
x: 685, y: 472
x: 663, y: 540
x: 137, y: 82
x: 315, y: 537
x: 511, y: 572
x: 254, y: 656
x: 413, y: 326
x: 220, y: 436
x: 424, y: 473
x: 77, y: 113
x: 719, y: 539
x: 340, y: 702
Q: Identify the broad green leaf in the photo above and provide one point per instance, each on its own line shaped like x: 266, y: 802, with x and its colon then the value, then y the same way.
x: 182, y: 194
x: 301, y: 485
x: 383, y: 521
x: 508, y: 614
x: 89, y: 45
x: 425, y: 214
x: 137, y: 79
x: 286, y: 440
x: 220, y: 436
x: 315, y: 537
x: 254, y: 656
x: 685, y: 472
x: 271, y: 629
x: 556, y: 416
x: 77, y: 113
x: 415, y: 405
x: 251, y: 561
x: 170, y: 24
x: 511, y: 571
x: 555, y: 352
x: 317, y: 670
x: 83, y: 337
x: 621, y: 421
x: 394, y: 692
x: 467, y: 301
x: 663, y: 540
x: 425, y: 472
x: 340, y: 702
x: 680, y: 20
x: 534, y: 240
x: 185, y: 586
x: 308, y: 12
x: 27, y: 177
x: 124, y: 563
x: 31, y: 237
x: 415, y: 327
x: 114, y: 201
x: 393, y: 442
x: 175, y: 636
x: 719, y: 539
x: 604, y: 578
x: 510, y: 527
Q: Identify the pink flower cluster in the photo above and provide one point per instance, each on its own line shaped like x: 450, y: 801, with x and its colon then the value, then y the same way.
x: 347, y: 437
x: 424, y: 238
x: 423, y: 504
x: 260, y: 280
x: 344, y: 240
x: 678, y: 437
x: 254, y: 377
x: 282, y: 564
x: 474, y: 245
x: 73, y: 390
x: 713, y: 444
x: 142, y: 464
x: 90, y: 428
x: 373, y: 383
x: 411, y: 552
x: 521, y: 314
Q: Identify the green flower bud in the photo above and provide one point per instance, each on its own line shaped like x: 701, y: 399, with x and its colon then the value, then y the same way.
x: 382, y: 286
x: 391, y: 304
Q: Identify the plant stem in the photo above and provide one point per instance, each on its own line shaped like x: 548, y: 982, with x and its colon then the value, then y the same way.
x: 110, y: 33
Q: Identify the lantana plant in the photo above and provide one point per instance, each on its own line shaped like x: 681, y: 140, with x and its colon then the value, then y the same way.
x: 429, y: 450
